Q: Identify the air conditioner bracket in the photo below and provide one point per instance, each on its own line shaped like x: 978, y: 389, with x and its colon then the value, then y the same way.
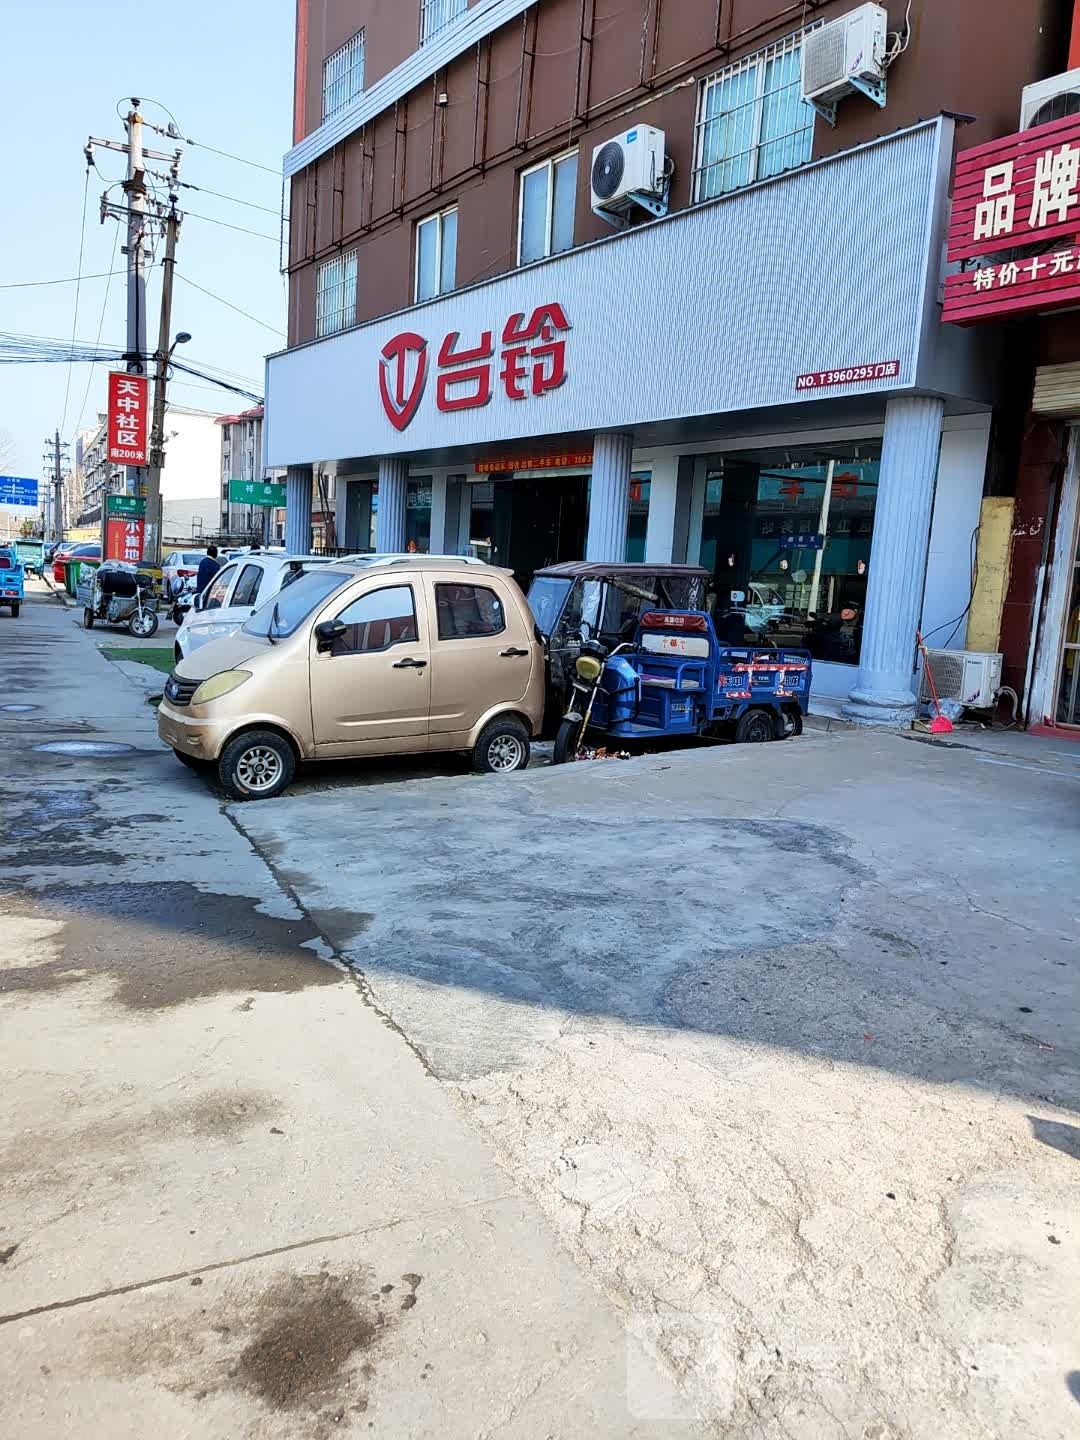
x: 873, y: 90
x: 656, y: 205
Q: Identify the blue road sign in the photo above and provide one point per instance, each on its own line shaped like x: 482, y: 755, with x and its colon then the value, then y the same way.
x: 18, y: 490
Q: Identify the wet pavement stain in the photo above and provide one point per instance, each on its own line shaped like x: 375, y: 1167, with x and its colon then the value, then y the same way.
x: 309, y: 1329
x: 164, y: 944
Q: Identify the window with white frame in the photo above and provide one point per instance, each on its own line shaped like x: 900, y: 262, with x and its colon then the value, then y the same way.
x: 752, y: 121
x: 335, y: 294
x: 436, y: 15
x: 343, y: 75
x: 436, y: 254
x: 547, y: 201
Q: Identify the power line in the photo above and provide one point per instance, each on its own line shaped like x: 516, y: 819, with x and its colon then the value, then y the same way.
x: 221, y: 301
x: 236, y: 389
x: 67, y: 280
x: 78, y: 289
x: 192, y: 215
x: 187, y: 185
x: 240, y: 159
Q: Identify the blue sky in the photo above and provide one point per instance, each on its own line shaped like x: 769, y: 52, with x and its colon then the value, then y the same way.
x: 225, y: 71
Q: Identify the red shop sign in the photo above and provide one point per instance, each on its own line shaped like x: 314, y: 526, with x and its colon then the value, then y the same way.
x: 572, y: 460
x: 124, y: 538
x: 127, y: 418
x: 1015, y: 196
x: 531, y: 362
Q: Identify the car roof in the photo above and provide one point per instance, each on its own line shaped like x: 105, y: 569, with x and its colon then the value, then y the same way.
x: 365, y: 564
x: 602, y: 569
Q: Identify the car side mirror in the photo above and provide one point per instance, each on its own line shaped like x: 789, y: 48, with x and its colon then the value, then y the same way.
x: 327, y: 631
x: 198, y: 602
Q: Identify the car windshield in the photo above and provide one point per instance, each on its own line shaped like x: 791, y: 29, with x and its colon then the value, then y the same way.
x: 190, y: 559
x: 295, y: 602
x: 547, y: 596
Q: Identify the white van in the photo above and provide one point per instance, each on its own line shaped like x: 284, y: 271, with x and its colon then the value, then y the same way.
x: 232, y: 596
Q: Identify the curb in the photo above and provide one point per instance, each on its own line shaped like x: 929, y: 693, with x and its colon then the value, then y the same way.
x: 61, y: 595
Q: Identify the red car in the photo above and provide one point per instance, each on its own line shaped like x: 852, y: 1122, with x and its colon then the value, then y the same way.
x: 70, y: 550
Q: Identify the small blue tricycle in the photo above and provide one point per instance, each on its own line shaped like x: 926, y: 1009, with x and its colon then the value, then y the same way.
x: 676, y: 678
x: 11, y: 578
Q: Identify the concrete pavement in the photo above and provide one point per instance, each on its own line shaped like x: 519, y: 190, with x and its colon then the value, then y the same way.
x: 778, y: 1043
x: 234, y: 1202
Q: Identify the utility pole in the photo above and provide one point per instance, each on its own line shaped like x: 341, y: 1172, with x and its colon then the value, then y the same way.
x: 162, y: 356
x: 54, y: 500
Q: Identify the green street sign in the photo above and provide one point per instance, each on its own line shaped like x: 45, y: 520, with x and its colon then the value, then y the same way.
x: 125, y: 505
x: 256, y: 492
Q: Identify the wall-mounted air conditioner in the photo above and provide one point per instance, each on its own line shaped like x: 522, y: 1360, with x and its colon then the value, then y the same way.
x: 1051, y: 99
x: 846, y: 56
x: 630, y: 170
x: 972, y: 677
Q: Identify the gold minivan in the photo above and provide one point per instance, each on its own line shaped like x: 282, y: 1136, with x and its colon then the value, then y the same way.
x: 380, y: 657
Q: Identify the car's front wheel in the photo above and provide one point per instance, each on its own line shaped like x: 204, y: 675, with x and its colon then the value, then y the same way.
x: 256, y: 765
x: 503, y: 746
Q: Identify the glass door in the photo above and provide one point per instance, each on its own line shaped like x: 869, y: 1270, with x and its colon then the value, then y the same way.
x: 1067, y: 707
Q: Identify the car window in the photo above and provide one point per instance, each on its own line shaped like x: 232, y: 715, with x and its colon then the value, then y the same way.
x: 247, y: 587
x: 378, y: 620
x: 468, y: 612
x: 280, y: 614
x: 168, y: 561
x: 219, y: 588
x: 186, y: 559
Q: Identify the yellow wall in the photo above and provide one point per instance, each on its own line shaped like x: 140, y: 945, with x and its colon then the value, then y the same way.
x: 995, y: 538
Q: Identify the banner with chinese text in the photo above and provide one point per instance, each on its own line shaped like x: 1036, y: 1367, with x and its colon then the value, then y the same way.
x: 1016, y: 210
x: 128, y: 418
x: 125, y: 523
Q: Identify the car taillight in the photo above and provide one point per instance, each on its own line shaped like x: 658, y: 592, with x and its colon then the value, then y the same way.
x: 187, y: 572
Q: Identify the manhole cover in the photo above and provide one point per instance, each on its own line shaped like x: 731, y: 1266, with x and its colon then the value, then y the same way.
x: 97, y: 748
x: 19, y: 709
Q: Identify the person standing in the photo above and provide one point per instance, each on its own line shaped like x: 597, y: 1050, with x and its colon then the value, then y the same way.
x: 209, y: 566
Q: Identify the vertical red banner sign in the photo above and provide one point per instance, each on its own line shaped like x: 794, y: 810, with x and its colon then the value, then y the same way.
x: 128, y: 418
x: 124, y: 539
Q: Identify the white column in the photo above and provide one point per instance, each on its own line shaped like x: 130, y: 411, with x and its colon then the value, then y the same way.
x: 393, y: 488
x: 883, y: 693
x: 663, y: 497
x: 298, y: 510
x: 438, y: 514
x: 609, y: 497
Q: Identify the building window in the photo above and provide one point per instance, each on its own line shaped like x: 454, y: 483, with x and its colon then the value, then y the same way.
x: 547, y: 204
x: 335, y: 294
x: 752, y: 121
x: 436, y: 254
x: 343, y: 76
x: 787, y: 535
x: 436, y: 15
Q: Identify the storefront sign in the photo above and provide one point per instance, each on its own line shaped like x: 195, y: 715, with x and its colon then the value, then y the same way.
x: 531, y: 363
x: 851, y: 375
x: 507, y: 464
x: 807, y: 540
x: 128, y: 417
x: 1012, y: 199
x: 256, y: 492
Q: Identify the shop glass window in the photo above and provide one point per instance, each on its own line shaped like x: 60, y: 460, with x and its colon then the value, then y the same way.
x: 638, y: 522
x: 418, y: 516
x: 548, y: 200
x: 219, y: 588
x: 752, y: 121
x: 436, y: 15
x: 343, y: 76
x: 1068, y: 698
x: 436, y: 255
x: 335, y: 294
x: 481, y: 501
x: 377, y: 621
x: 247, y: 587
x: 468, y: 612
x: 787, y: 534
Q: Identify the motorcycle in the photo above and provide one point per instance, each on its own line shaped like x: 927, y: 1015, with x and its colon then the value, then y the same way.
x: 588, y: 673
x: 184, y: 599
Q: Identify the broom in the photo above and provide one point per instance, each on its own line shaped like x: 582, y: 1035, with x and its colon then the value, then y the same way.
x: 941, y: 724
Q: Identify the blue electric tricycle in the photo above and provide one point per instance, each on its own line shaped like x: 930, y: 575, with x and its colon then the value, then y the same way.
x: 11, y: 579
x: 676, y: 678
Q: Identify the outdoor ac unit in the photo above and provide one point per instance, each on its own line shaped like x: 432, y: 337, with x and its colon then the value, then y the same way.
x: 1051, y: 99
x: 973, y: 677
x: 845, y: 56
x: 630, y: 170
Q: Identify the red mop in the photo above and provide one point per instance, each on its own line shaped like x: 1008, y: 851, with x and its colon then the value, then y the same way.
x: 941, y: 724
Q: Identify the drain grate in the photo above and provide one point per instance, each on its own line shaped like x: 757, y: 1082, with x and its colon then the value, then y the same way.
x: 99, y: 749
x: 18, y: 709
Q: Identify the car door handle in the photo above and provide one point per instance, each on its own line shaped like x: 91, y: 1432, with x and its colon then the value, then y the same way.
x: 409, y: 664
x: 512, y: 651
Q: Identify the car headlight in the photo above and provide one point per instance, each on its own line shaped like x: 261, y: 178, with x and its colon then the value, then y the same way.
x: 218, y: 685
